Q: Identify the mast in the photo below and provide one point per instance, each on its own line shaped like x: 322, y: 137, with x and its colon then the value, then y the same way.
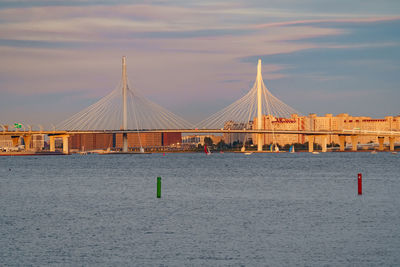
x: 124, y: 106
x: 259, y: 107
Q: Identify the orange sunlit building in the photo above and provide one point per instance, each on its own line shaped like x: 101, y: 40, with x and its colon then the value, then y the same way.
x: 103, y: 141
x: 325, y: 123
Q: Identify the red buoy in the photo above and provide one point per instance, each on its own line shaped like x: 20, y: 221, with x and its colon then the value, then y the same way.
x: 359, y: 184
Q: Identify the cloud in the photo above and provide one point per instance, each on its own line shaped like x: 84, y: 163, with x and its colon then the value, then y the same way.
x: 39, y: 44
x: 181, y: 54
x: 330, y: 21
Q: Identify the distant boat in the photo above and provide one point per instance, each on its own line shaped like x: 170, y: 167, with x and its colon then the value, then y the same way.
x: 274, y: 148
x: 206, y: 150
x: 248, y: 153
x: 291, y: 149
x: 394, y: 152
x: 315, y: 152
x: 373, y: 152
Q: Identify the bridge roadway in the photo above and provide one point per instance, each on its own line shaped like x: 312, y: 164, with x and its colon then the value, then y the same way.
x: 310, y: 135
x: 203, y: 131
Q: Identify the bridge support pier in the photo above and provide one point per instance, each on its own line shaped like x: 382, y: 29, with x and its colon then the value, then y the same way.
x: 65, y: 139
x: 354, y: 142
x: 15, y: 140
x: 381, y: 139
x: 27, y: 141
x: 65, y: 142
x: 391, y: 143
x: 342, y: 141
x: 324, y: 139
x: 310, y: 139
x: 124, y: 142
x: 52, y: 142
x: 260, y: 142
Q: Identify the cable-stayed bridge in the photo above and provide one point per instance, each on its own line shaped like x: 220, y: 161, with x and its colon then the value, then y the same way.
x: 125, y: 110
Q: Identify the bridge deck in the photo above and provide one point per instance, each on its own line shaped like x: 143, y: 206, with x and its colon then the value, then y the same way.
x: 205, y: 131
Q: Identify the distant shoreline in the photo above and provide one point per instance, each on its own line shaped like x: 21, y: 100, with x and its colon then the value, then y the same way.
x: 48, y: 153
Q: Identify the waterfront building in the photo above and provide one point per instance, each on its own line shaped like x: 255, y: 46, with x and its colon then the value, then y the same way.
x: 230, y: 138
x: 104, y: 141
x: 325, y: 123
x: 5, y: 141
x: 169, y: 139
x: 37, y: 142
x: 141, y: 140
x: 91, y: 141
x: 270, y: 122
x: 199, y: 139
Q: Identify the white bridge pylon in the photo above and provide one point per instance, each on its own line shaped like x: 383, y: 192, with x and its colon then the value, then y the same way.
x: 257, y: 102
x: 125, y: 108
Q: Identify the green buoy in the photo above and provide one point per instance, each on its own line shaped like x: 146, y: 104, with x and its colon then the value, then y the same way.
x: 158, y: 187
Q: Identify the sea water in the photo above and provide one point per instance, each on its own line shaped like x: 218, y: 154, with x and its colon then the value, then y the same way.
x: 216, y: 210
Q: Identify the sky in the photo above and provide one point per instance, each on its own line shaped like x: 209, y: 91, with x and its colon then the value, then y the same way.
x: 196, y: 57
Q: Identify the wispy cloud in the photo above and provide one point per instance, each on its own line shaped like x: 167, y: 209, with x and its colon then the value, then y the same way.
x: 330, y: 20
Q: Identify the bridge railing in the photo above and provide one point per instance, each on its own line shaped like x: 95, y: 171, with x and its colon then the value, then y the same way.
x: 359, y: 131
